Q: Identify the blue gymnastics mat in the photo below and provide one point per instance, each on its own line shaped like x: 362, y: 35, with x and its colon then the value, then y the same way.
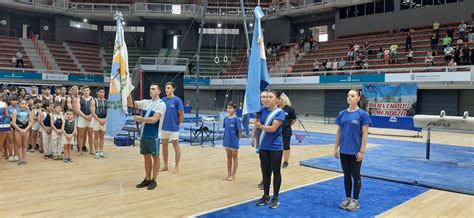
x: 450, y: 168
x: 322, y: 200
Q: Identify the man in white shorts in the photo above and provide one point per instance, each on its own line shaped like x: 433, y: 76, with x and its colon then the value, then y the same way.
x: 83, y: 108
x: 173, y: 118
x: 99, y: 112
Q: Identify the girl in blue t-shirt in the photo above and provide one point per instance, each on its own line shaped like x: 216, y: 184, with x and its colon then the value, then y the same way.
x: 232, y: 134
x: 255, y: 131
x: 271, y: 147
x: 351, y: 140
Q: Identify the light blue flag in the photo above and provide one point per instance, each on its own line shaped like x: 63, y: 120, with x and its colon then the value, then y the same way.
x: 257, y: 76
x: 120, y: 83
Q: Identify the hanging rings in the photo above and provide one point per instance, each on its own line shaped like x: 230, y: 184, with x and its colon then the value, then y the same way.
x: 225, y: 59
x: 216, y: 59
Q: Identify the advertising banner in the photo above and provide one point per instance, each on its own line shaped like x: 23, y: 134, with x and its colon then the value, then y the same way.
x: 390, y: 100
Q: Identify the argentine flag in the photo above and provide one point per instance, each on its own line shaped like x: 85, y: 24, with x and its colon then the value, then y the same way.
x: 120, y: 82
x: 257, y: 76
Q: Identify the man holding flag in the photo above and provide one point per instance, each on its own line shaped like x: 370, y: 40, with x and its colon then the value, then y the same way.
x: 119, y: 98
x: 269, y: 119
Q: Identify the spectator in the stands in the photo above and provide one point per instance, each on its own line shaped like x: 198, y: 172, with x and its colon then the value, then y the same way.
x: 472, y: 55
x: 465, y: 54
x: 274, y: 52
x: 190, y: 67
x: 297, y: 57
x: 142, y: 42
x: 350, y: 55
x: 311, y: 43
x: 434, y: 42
x: 457, y: 55
x: 14, y: 61
x: 342, y: 64
x: 135, y: 41
x: 410, y: 56
x: 19, y: 58
x: 367, y: 49
x: 365, y: 65
x: 429, y: 59
x: 328, y: 66
x: 380, y: 53
x: 459, y: 42
x: 452, y: 63
x: 269, y: 51
x: 323, y: 64
x: 358, y: 64
x: 409, y: 41
x: 436, y: 26
x: 450, y: 32
x: 394, y: 53
x: 301, y: 44
x: 334, y: 64
x: 448, y: 54
x: 386, y: 55
x: 316, y: 65
x: 462, y: 30
x: 447, y: 41
x: 356, y: 50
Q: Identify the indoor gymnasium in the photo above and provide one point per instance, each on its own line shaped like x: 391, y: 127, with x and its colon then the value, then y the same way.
x: 236, y: 108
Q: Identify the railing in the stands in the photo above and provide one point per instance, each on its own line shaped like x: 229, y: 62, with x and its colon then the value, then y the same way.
x: 446, y: 69
x: 41, y: 52
x: 162, y: 61
x: 42, y: 71
x: 284, y: 8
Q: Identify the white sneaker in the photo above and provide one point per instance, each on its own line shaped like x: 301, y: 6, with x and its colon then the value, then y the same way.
x: 102, y: 155
x: 16, y: 158
x: 11, y: 159
x: 353, y: 206
x: 345, y: 203
x: 97, y: 155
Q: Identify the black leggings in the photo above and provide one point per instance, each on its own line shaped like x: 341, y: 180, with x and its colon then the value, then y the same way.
x: 270, y: 162
x: 351, y: 169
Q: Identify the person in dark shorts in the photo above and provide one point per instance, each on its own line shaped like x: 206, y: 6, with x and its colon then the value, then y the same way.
x: 152, y: 111
x: 290, y: 119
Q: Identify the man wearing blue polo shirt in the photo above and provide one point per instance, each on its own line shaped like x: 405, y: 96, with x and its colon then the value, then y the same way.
x: 173, y: 118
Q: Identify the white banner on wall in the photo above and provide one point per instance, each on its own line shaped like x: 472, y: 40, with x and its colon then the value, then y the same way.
x: 106, y: 79
x: 228, y: 81
x: 273, y: 81
x: 54, y: 77
x: 428, y: 77
x: 163, y: 68
x: 295, y: 80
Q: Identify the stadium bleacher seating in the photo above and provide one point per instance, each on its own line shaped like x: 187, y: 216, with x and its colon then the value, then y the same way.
x: 8, y: 48
x: 133, y: 55
x: 88, y: 56
x: 337, y: 49
x: 61, y: 56
x: 208, y: 65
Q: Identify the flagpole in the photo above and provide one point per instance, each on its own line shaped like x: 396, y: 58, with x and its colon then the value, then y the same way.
x: 198, y: 57
x: 244, y: 16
